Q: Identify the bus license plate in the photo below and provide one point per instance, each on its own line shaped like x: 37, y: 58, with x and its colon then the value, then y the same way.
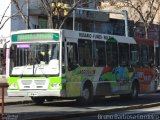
x: 32, y: 94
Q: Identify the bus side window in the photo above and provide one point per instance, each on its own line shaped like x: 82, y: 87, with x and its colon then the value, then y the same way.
x: 134, y: 55
x: 157, y: 57
x: 123, y: 53
x: 112, y: 53
x: 63, y: 57
x: 72, y: 55
x: 85, y: 52
x: 144, y: 55
x: 151, y: 55
x: 99, y: 53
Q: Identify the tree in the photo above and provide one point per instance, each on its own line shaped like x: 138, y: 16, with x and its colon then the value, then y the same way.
x: 146, y: 9
x: 19, y: 10
x: 55, y: 10
x: 4, y: 20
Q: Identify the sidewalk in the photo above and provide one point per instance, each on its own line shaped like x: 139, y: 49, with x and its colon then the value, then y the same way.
x: 12, y: 100
x: 15, y: 100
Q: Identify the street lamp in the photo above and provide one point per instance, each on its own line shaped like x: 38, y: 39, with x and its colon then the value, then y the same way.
x: 74, y: 16
x: 3, y: 85
x: 159, y: 45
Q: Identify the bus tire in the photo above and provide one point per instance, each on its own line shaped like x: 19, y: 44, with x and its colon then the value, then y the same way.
x: 38, y: 100
x: 87, y: 95
x: 134, y: 92
x: 155, y: 86
x: 48, y: 99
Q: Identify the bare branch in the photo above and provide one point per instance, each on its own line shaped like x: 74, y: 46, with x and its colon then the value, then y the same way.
x: 70, y: 11
x: 5, y: 13
x: 46, y: 6
x: 146, y: 9
x: 19, y: 9
x: 8, y: 19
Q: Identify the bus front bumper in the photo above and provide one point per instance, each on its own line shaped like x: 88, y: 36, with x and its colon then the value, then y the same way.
x: 30, y: 93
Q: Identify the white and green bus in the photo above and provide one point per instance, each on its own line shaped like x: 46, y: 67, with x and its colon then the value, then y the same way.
x: 49, y: 63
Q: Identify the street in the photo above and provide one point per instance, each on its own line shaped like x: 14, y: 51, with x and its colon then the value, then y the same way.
x: 70, y: 109
x: 152, y: 113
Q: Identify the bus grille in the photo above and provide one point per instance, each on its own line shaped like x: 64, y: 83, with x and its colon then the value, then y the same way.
x: 26, y: 82
x: 33, y: 84
x: 39, y: 82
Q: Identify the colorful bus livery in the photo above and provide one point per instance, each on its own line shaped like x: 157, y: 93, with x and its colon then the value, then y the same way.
x: 46, y: 63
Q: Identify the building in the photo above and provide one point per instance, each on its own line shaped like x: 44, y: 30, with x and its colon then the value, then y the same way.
x: 138, y: 28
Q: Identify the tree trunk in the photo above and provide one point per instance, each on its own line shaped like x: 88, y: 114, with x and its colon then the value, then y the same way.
x: 146, y: 31
x: 50, y: 22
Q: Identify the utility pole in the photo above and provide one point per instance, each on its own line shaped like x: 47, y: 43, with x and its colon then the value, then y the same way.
x: 74, y: 16
x: 27, y: 14
x: 158, y: 45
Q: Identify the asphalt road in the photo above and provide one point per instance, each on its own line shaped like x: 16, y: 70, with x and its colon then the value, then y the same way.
x: 71, y: 108
x: 152, y: 113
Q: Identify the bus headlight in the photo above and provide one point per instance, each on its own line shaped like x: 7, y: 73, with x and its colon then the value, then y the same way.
x: 54, y: 86
x: 64, y: 80
x: 13, y: 86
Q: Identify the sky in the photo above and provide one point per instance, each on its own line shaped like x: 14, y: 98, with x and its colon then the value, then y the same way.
x: 5, y: 31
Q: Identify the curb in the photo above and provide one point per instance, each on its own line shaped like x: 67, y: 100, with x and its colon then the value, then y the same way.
x: 18, y: 102
x: 91, y: 113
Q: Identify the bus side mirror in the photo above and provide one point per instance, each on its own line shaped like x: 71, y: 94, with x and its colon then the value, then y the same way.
x: 4, y: 48
x: 72, y: 66
x: 11, y: 52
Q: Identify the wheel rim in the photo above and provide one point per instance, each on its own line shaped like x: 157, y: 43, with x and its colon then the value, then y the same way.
x: 134, y: 94
x: 86, y: 94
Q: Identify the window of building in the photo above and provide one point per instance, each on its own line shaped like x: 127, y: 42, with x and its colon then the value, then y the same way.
x: 85, y: 52
x: 78, y: 26
x: 99, y: 53
x: 42, y: 23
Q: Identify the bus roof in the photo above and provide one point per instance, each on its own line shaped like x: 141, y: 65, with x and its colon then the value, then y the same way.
x: 35, y: 31
x: 81, y: 35
x: 97, y: 36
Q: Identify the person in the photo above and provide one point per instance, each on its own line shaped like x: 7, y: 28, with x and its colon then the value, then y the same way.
x: 40, y: 57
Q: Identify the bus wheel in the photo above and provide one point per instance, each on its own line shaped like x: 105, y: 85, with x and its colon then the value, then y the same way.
x: 49, y: 99
x: 155, y: 86
x: 87, y: 95
x: 134, y: 92
x: 38, y: 100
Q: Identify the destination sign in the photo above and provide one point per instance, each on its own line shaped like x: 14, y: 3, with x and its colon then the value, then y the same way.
x: 94, y: 36
x: 35, y: 37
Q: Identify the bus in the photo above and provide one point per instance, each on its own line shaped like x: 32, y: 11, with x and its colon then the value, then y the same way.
x: 45, y: 64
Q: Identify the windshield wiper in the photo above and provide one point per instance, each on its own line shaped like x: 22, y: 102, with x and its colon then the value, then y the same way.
x: 21, y: 75
x: 39, y: 65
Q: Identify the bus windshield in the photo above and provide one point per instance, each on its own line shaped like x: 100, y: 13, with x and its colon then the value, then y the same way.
x: 34, y: 59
